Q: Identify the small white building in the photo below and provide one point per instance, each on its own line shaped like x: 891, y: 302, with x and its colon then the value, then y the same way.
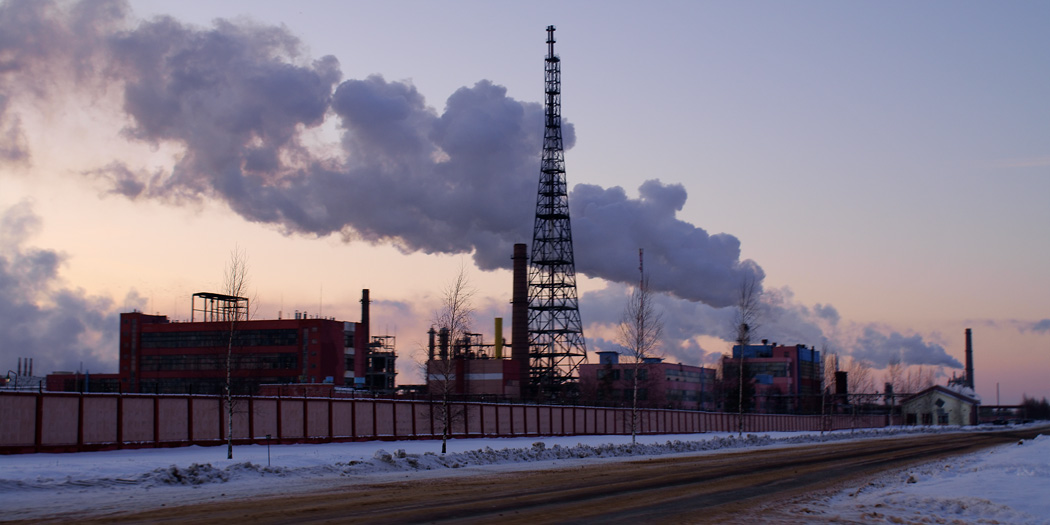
x: 941, y: 405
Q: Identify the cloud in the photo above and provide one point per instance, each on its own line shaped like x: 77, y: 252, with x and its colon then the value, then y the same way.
x: 235, y: 100
x: 61, y: 328
x: 881, y: 349
x: 1041, y: 326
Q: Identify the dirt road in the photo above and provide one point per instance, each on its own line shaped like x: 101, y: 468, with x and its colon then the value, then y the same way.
x: 698, y: 489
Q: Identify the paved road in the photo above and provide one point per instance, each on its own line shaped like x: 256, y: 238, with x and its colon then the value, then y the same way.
x: 699, y: 489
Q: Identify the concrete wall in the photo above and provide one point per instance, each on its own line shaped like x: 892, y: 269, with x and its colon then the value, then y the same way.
x: 66, y: 422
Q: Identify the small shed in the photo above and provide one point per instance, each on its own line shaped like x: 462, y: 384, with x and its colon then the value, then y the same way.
x: 941, y: 405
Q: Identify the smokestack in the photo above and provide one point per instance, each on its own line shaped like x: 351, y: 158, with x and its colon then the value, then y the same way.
x: 498, y: 346
x: 361, y: 338
x: 969, y: 360
x: 430, y: 345
x: 519, y: 335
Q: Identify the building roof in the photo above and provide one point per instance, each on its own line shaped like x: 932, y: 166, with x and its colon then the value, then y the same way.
x: 965, y: 395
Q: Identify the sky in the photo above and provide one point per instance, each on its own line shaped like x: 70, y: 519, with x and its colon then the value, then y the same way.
x: 882, y: 167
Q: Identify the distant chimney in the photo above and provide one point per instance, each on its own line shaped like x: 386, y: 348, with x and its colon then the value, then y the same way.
x: 498, y: 346
x: 841, y: 383
x: 969, y: 359
x: 362, y: 336
x: 519, y: 322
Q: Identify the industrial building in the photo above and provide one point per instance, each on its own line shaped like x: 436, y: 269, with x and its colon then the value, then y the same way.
x: 660, y: 384
x: 158, y: 355
x: 941, y: 405
x: 786, y: 378
x: 466, y: 366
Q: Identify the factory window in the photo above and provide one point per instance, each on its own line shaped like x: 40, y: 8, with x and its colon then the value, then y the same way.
x: 205, y: 362
x: 217, y: 338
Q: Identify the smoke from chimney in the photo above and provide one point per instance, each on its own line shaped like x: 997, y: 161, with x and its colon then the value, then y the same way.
x: 236, y: 100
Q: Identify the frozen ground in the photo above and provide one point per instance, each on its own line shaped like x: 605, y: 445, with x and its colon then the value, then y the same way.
x: 1005, y: 484
x: 1008, y: 484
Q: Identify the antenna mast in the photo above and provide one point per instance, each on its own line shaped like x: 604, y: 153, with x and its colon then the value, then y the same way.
x: 556, y: 342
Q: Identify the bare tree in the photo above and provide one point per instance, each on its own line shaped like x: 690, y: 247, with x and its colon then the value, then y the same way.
x: 746, y: 323
x: 918, y: 379
x: 640, y: 330
x: 894, y: 375
x: 861, y: 377
x: 454, y: 318
x: 831, y: 365
x: 235, y: 283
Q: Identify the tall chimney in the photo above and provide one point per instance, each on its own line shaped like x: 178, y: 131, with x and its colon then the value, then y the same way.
x: 362, y: 336
x: 969, y: 360
x: 519, y: 322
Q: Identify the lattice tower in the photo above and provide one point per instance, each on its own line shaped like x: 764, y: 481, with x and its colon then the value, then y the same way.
x: 556, y: 340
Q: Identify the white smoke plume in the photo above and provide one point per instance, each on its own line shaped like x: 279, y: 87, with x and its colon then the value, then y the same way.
x: 238, y: 101
x: 60, y: 327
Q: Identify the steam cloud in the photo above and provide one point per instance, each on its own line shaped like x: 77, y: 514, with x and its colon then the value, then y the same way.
x: 238, y: 99
x: 59, y: 327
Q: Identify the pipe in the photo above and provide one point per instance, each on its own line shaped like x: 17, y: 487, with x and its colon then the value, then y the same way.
x: 498, y: 346
x: 969, y: 359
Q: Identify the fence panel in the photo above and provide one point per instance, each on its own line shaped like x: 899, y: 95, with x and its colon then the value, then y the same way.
x: 21, y: 408
x: 172, y: 416
x: 317, y: 418
x: 100, y: 420
x: 58, y: 412
x: 137, y: 420
x: 291, y: 413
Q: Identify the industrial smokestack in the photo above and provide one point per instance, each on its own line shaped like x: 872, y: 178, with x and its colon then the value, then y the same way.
x: 969, y: 360
x: 498, y: 346
x: 519, y: 335
x: 361, y: 338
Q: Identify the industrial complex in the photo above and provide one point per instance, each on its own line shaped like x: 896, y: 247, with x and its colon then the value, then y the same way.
x: 223, y: 351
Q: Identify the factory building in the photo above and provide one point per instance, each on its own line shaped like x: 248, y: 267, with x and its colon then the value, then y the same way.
x: 470, y: 367
x: 467, y: 366
x: 786, y: 378
x: 158, y: 355
x: 660, y: 384
x: 941, y: 405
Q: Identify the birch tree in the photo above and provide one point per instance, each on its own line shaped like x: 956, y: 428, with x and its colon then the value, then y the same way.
x: 746, y: 324
x: 641, y: 328
x: 235, y: 283
x: 455, y: 315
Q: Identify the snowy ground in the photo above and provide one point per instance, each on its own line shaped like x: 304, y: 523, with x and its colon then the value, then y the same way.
x: 1005, y: 484
x: 1008, y: 484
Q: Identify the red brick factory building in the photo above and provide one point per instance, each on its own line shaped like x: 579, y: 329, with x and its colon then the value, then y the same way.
x: 158, y: 355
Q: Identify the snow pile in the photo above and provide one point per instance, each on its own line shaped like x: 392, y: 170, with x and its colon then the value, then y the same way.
x: 1007, y: 484
x: 328, y: 460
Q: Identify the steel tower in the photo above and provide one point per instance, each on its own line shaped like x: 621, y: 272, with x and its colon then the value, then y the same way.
x: 556, y: 344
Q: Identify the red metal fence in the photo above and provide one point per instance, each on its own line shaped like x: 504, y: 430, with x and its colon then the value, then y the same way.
x: 69, y: 422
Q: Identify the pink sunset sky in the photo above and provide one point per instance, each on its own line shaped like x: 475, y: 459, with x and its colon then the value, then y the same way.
x: 884, y: 166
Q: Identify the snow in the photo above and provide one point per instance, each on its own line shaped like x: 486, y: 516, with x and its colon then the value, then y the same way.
x: 1006, y: 484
